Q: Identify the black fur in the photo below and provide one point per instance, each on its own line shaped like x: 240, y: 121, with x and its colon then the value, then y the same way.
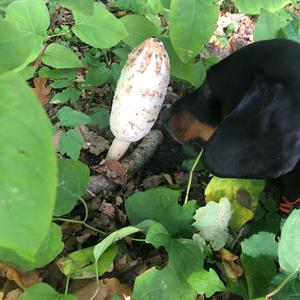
x: 253, y: 98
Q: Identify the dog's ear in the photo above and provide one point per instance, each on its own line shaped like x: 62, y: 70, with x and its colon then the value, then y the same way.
x: 261, y: 137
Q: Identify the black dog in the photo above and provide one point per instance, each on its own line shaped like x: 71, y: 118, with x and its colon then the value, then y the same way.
x: 248, y: 114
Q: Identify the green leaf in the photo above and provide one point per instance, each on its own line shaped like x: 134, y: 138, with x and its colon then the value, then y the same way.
x: 69, y: 74
x: 81, y: 263
x: 254, y: 6
x: 60, y: 57
x: 139, y: 29
x: 291, y: 31
x: 61, y: 83
x: 69, y: 94
x: 44, y: 291
x: 261, y: 244
x: 72, y: 118
x: 290, y: 291
x: 289, y: 243
x: 190, y: 27
x: 212, y: 222
x: 100, y: 116
x: 111, y: 239
x: 97, y: 75
x: 70, y: 142
x: 268, y: 25
x: 15, y: 47
x: 171, y: 282
x: 259, y: 273
x: 28, y: 72
x: 180, y: 70
x: 162, y: 206
x: 31, y: 16
x: 243, y: 195
x: 206, y: 282
x: 82, y: 6
x: 73, y: 179
x: 136, y: 6
x: 28, y: 171
x: 101, y: 30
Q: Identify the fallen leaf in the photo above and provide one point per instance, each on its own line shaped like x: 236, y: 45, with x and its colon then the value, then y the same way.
x: 84, y: 289
x: 94, y: 143
x: 232, y: 270
x: 41, y: 89
x: 22, y: 279
x: 13, y: 295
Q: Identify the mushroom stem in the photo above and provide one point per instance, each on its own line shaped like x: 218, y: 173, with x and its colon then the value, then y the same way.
x: 117, y: 149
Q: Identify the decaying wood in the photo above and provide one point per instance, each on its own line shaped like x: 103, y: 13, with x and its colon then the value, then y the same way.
x: 114, y: 173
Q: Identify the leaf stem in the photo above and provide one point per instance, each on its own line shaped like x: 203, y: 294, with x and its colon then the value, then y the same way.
x: 79, y: 222
x: 67, y: 285
x: 281, y: 285
x: 191, y: 177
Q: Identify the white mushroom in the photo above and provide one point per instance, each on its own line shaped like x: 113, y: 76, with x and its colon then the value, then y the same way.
x: 139, y: 95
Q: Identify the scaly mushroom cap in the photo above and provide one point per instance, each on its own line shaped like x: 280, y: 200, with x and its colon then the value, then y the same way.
x: 140, y: 91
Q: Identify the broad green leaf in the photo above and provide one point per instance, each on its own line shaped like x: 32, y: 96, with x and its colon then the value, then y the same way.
x: 139, y: 29
x: 71, y: 94
x: 31, y: 16
x: 28, y: 72
x: 243, y: 195
x: 97, y: 75
x: 73, y: 179
x: 70, y: 143
x: 290, y: 291
x: 212, y: 222
x: 15, y: 47
x: 49, y: 249
x: 61, y: 83
x: 82, y: 6
x: 261, y: 244
x: 46, y: 72
x: 291, y: 31
x: 28, y: 171
x: 184, y: 258
x: 254, y: 6
x: 191, y: 24
x: 136, y: 6
x: 162, y: 206
x: 111, y: 239
x: 44, y: 291
x: 180, y: 70
x: 100, y: 30
x: 259, y: 273
x: 81, y: 263
x: 268, y: 25
x: 100, y: 116
x: 60, y: 57
x: 206, y: 282
x: 289, y: 243
x: 72, y: 118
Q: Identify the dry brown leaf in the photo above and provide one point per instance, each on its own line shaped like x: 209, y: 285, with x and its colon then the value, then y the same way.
x: 22, y: 279
x: 84, y: 289
x: 95, y: 143
x: 232, y: 269
x: 41, y: 89
x: 13, y: 295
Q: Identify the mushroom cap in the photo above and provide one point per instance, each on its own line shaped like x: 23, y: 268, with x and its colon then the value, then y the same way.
x: 140, y: 91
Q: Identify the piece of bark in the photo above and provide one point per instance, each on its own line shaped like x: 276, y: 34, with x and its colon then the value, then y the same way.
x: 114, y: 173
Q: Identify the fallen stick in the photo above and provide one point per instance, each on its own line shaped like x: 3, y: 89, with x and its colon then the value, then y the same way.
x: 114, y: 173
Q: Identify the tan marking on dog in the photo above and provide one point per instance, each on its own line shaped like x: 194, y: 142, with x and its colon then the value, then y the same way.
x: 184, y: 127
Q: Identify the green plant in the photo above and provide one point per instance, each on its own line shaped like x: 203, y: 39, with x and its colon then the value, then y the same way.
x: 36, y: 188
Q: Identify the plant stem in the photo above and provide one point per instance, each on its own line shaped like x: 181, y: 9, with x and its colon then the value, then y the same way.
x: 79, y: 222
x: 191, y: 177
x: 54, y: 35
x: 67, y: 285
x: 281, y: 285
